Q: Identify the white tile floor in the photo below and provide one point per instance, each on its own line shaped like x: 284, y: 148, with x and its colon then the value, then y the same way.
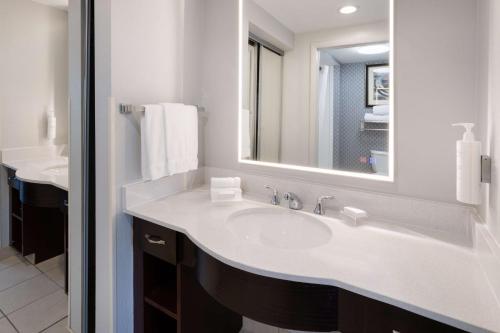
x: 32, y: 298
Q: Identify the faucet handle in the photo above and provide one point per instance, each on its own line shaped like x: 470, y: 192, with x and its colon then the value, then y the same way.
x: 293, y: 201
x: 275, y: 199
x: 320, y: 210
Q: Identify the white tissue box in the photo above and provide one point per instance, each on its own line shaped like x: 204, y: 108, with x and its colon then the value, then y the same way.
x: 354, y: 213
x: 225, y: 194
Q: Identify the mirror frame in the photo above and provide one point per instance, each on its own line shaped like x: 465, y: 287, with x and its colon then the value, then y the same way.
x: 312, y: 105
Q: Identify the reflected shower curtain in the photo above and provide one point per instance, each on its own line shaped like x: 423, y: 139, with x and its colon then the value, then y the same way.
x: 325, y: 117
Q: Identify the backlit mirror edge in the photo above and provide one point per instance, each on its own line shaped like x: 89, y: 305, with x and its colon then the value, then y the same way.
x: 390, y: 178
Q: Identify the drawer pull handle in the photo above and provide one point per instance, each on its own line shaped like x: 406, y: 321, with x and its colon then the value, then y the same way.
x: 66, y: 203
x: 11, y: 178
x: 154, y: 240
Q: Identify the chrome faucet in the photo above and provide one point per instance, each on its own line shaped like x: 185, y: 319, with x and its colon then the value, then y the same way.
x: 293, y: 201
x: 275, y: 198
x: 320, y: 210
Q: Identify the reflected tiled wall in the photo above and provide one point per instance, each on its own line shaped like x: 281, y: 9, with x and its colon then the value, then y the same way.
x: 355, y: 145
x: 336, y: 117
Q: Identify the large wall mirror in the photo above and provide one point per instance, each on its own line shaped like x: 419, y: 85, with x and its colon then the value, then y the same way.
x: 316, y: 86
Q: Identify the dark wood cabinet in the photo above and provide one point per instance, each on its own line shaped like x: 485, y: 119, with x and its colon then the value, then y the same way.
x: 167, y: 297
x: 179, y: 288
x: 15, y: 212
x: 38, y: 219
x: 358, y: 314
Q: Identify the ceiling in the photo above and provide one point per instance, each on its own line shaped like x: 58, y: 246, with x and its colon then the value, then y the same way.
x: 313, y: 15
x: 350, y: 55
x: 61, y: 4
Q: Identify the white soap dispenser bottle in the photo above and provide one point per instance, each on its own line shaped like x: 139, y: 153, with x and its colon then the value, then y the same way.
x: 468, y: 167
x: 51, y: 126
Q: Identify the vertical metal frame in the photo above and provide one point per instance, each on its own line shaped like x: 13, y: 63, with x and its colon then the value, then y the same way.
x: 88, y: 168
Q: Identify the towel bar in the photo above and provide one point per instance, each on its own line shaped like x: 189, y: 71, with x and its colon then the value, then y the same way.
x: 129, y: 108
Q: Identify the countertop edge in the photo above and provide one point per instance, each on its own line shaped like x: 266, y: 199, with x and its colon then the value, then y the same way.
x: 32, y: 180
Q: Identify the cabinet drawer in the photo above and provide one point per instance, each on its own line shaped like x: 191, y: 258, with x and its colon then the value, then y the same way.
x: 156, y: 240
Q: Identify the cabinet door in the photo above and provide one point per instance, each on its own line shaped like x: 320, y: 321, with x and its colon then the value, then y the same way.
x: 379, y: 317
x: 358, y: 314
x: 351, y: 315
x: 412, y: 323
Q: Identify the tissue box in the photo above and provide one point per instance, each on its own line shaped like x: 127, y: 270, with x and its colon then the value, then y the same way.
x: 354, y: 213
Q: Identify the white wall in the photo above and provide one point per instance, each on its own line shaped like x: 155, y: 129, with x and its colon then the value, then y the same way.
x: 489, y: 104
x: 436, y: 52
x: 265, y: 26
x: 144, y: 54
x: 439, y: 52
x: 295, y: 140
x: 34, y: 67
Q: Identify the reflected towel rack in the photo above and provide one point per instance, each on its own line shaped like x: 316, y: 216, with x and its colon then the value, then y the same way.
x: 129, y: 108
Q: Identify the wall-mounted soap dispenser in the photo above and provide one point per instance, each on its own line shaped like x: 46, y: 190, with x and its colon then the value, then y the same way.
x: 468, y: 167
x: 51, y: 126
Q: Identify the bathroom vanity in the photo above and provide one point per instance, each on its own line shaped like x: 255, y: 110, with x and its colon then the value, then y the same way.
x: 192, y: 261
x: 37, y: 218
x: 38, y: 207
x: 180, y: 288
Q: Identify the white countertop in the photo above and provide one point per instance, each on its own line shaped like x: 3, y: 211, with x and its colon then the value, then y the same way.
x: 43, y: 170
x: 432, y: 278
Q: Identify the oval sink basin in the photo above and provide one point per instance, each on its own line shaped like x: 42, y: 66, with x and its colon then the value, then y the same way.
x: 56, y: 170
x: 279, y: 228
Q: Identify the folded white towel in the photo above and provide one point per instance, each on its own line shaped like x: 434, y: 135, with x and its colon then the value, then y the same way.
x: 169, y: 140
x: 181, y: 132
x: 381, y: 110
x: 373, y: 118
x: 226, y: 182
x: 153, y: 153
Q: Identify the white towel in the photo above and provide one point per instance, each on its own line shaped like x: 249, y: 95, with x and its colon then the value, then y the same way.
x: 381, y: 110
x: 373, y: 118
x: 181, y: 136
x: 225, y: 182
x: 153, y: 153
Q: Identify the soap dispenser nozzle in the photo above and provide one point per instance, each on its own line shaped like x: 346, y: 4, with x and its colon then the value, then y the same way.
x: 468, y: 135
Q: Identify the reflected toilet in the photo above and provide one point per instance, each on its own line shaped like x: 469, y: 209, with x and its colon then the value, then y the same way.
x: 379, y: 162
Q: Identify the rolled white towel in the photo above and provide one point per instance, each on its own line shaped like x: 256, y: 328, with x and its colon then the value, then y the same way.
x: 373, y: 118
x: 226, y: 194
x: 226, y: 182
x: 381, y: 110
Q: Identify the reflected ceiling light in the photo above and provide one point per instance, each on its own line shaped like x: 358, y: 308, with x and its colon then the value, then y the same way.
x: 374, y: 49
x: 348, y: 10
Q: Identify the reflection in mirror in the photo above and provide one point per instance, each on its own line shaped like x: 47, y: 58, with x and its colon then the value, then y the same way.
x: 316, y: 86
x: 35, y: 222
